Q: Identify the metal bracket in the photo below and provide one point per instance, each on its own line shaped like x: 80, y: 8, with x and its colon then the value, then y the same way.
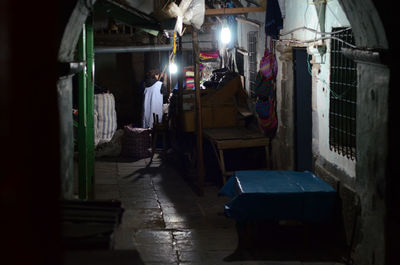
x: 70, y: 68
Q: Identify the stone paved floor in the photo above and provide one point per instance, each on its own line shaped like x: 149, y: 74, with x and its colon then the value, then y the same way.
x: 164, y: 220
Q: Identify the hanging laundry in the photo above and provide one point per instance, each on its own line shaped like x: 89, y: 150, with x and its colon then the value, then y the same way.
x: 153, y: 103
x: 269, y: 124
x: 266, y: 103
x: 273, y: 19
x: 268, y: 65
x: 263, y: 86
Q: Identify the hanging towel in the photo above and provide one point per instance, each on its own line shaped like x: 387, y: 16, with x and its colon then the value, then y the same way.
x: 153, y: 103
x: 273, y: 19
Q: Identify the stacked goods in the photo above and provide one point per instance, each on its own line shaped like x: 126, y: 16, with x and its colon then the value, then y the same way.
x: 209, y: 62
x: 189, y: 74
x: 105, y: 118
x: 205, y: 56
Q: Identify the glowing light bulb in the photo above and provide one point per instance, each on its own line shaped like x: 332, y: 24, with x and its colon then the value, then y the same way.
x: 225, y: 35
x: 173, y: 68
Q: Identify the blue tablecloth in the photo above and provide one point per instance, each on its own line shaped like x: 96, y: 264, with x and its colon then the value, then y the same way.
x: 278, y: 195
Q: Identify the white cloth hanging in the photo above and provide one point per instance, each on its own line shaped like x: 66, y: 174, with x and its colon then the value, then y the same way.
x: 153, y: 103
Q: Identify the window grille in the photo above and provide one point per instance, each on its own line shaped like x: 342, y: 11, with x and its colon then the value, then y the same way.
x: 343, y: 97
x: 252, y: 42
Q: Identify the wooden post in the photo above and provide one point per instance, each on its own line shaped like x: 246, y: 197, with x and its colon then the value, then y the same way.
x: 179, y: 59
x: 199, y: 125
x: 232, y: 11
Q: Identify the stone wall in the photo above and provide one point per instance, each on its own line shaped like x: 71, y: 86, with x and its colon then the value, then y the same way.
x: 361, y: 185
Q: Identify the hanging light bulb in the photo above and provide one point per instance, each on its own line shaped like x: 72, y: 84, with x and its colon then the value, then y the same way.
x: 173, y: 68
x: 225, y: 35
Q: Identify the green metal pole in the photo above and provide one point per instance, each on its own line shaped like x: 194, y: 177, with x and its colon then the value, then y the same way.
x: 82, y: 133
x: 90, y: 107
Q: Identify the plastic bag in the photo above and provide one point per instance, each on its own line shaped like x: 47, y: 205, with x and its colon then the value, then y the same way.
x: 175, y: 11
x: 168, y: 11
x: 194, y: 14
x: 191, y: 13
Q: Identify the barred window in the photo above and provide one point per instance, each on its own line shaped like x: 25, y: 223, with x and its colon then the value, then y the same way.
x: 252, y: 43
x: 343, y: 96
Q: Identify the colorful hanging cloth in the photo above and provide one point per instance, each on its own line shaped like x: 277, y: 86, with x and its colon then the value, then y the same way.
x: 268, y: 65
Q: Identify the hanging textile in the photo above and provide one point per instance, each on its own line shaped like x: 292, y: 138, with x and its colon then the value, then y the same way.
x: 268, y: 64
x: 265, y: 81
x: 273, y: 19
x: 265, y: 91
x: 267, y: 119
x: 153, y: 103
x: 263, y: 85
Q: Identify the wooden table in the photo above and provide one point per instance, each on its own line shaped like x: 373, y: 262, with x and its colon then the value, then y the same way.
x: 234, y: 138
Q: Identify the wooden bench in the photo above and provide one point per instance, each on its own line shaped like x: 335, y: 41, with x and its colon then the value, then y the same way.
x: 232, y: 138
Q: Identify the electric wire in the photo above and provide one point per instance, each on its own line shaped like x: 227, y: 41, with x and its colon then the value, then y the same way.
x: 327, y: 86
x: 315, y: 31
x: 317, y: 39
x: 318, y: 32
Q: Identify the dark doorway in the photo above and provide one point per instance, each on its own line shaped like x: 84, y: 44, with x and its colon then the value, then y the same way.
x: 302, y: 110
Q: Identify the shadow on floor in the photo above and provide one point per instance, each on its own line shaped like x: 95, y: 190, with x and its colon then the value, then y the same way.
x: 102, y: 257
x: 119, y: 159
x: 197, y: 225
x: 289, y: 241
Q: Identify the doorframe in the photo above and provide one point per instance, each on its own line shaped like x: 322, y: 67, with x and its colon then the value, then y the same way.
x: 302, y: 163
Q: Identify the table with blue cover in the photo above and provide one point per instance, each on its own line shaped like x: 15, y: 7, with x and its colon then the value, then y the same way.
x: 278, y: 195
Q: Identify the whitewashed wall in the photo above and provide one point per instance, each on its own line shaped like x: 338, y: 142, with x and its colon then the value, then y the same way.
x: 302, y: 13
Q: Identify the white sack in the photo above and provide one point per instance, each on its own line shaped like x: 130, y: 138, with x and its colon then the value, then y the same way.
x: 105, y: 118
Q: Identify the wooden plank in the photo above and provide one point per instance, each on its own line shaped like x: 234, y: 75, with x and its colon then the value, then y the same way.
x: 233, y: 11
x: 233, y: 138
x: 248, y: 21
x: 253, y: 2
x: 199, y: 127
x: 242, y: 143
x: 267, y: 156
x: 222, y: 165
x: 232, y: 133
